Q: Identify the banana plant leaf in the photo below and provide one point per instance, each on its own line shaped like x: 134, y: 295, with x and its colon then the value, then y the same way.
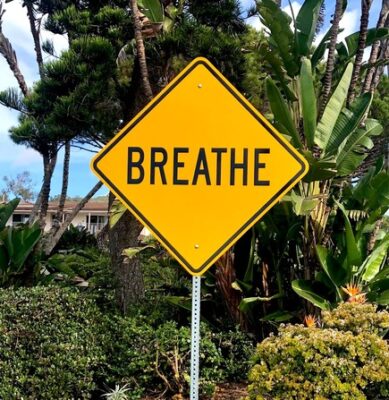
x: 116, y: 212
x: 333, y: 109
x: 278, y: 73
x: 319, y: 169
x: 308, y: 101
x: 281, y: 111
x: 247, y: 303
x: 318, y: 54
x: 278, y: 316
x: 6, y: 211
x: 379, y: 191
x: 302, y: 205
x: 19, y: 243
x: 347, y: 122
x: 382, y: 298
x: 335, y: 272
x: 354, y: 257
x: 152, y: 9
x: 354, y: 150
x: 306, y: 23
x: 282, y: 37
x: 305, y: 290
x: 132, y: 252
x: 373, y: 262
x: 373, y: 34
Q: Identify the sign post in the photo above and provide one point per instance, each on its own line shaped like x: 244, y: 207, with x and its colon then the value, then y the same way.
x: 199, y: 166
x: 195, y: 338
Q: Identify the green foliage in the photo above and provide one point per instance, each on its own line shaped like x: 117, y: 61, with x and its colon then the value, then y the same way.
x: 16, y: 246
x: 87, y: 267
x: 320, y: 364
x: 50, y: 346
x: 76, y: 238
x: 6, y: 211
x: 357, y: 318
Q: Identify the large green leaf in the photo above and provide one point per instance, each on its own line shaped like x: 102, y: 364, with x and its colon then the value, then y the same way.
x: 320, y: 49
x: 282, y: 37
x: 334, y: 271
x: 378, y: 194
x: 27, y: 238
x: 305, y: 290
x: 319, y: 169
x: 383, y: 298
x: 333, y: 109
x: 132, y: 252
x: 247, y: 303
x: 6, y: 211
x: 354, y: 150
x: 354, y: 257
x: 308, y: 101
x: 373, y: 34
x: 347, y: 122
x: 116, y: 212
x: 373, y: 262
x: 152, y: 9
x: 281, y: 112
x: 278, y: 72
x: 306, y: 22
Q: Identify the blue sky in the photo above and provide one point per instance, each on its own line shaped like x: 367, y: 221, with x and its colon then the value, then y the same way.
x: 15, y: 159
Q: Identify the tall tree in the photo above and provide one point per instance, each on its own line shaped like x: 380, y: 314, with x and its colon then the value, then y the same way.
x: 365, y: 7
x: 383, y: 21
x: 327, y: 80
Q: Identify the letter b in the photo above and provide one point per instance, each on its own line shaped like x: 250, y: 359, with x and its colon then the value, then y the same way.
x: 135, y: 164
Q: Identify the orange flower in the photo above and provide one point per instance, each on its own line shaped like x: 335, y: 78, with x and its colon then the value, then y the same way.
x: 310, y: 321
x: 355, y: 293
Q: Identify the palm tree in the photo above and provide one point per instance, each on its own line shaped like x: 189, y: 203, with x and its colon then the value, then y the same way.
x: 327, y: 81
x: 383, y: 21
x: 365, y: 5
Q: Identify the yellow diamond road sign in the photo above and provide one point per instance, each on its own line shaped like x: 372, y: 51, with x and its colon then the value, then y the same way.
x: 199, y: 165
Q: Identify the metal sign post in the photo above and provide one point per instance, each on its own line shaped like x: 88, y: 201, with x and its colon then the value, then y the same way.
x: 195, y: 344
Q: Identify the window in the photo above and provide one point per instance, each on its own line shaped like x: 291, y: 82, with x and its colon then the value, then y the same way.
x: 96, y: 219
x: 20, y: 218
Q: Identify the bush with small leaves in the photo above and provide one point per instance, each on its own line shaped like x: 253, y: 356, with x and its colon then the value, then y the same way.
x: 320, y: 364
x: 357, y: 318
x: 49, y: 348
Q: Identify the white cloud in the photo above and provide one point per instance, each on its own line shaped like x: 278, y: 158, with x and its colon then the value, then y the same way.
x: 255, y: 22
x: 295, y: 7
x: 349, y: 23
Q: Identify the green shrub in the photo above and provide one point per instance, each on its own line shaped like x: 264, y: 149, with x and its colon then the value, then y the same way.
x: 320, y: 364
x: 49, y: 346
x: 357, y: 318
x: 159, y: 359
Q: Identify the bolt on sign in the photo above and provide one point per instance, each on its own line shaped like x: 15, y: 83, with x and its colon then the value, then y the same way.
x: 199, y: 165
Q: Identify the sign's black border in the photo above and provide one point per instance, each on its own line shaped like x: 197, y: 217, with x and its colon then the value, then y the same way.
x: 153, y: 228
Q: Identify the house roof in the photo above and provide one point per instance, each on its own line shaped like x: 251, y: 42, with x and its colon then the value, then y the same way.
x: 97, y: 206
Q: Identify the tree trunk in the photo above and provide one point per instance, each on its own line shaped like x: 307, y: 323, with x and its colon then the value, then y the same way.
x: 384, y: 55
x: 53, y: 238
x: 327, y: 82
x: 225, y: 277
x: 127, y: 271
x: 35, y: 27
x: 140, y: 48
x: 383, y: 21
x: 65, y: 182
x: 9, y: 54
x: 48, y: 169
x: 366, y: 4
